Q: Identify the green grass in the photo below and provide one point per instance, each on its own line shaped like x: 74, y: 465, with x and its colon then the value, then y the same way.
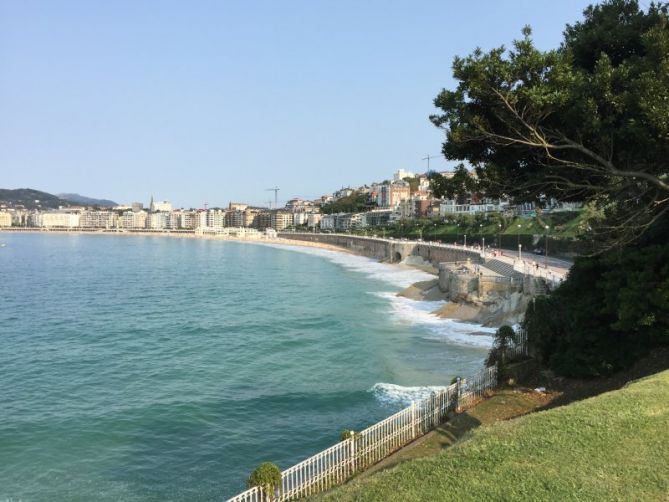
x: 614, y: 446
x: 563, y: 225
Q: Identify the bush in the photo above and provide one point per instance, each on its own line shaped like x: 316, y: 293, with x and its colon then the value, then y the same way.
x: 267, y: 476
x: 611, y: 310
x: 505, y: 338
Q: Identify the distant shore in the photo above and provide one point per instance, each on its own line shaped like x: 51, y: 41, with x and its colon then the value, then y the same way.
x: 261, y: 239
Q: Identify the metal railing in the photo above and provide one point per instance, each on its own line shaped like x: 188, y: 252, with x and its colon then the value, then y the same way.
x: 340, y: 462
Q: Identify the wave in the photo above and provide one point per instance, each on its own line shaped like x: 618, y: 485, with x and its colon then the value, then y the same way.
x: 397, y: 275
x: 420, y: 313
x: 394, y: 395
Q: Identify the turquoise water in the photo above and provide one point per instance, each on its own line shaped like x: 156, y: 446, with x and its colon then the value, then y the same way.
x: 148, y: 368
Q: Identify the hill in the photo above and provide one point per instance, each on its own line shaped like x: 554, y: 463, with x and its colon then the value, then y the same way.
x: 86, y: 201
x: 31, y: 199
x: 614, y: 446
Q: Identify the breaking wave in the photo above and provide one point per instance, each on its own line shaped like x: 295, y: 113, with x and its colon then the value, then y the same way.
x: 397, y: 275
x: 394, y: 395
x: 420, y: 313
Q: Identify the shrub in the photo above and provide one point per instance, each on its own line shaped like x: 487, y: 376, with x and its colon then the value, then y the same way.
x: 505, y: 337
x: 267, y: 476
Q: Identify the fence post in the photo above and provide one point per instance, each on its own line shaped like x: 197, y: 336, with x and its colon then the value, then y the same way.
x: 413, y: 419
x: 457, y: 395
x: 352, y: 453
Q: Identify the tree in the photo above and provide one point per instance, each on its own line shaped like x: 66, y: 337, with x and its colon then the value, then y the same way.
x: 588, y: 121
x: 505, y: 339
x: 353, y: 203
x: 456, y: 187
x: 266, y: 476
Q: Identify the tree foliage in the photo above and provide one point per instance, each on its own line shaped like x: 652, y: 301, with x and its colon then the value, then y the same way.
x: 456, y: 187
x: 354, y: 203
x: 588, y: 121
x: 505, y: 339
x: 613, y: 309
x: 267, y: 476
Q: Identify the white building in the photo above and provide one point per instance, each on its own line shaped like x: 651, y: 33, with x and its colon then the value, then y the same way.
x: 328, y: 222
x: 5, y: 219
x: 132, y: 219
x: 158, y: 221
x: 57, y: 219
x: 161, y: 205
x: 98, y: 219
x: 400, y: 174
x: 314, y: 220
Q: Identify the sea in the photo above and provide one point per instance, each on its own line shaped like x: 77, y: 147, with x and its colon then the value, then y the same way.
x: 154, y: 368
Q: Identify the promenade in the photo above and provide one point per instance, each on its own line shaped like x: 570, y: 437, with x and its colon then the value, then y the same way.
x: 551, y: 269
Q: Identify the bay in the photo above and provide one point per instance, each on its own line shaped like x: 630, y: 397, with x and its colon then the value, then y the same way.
x: 152, y: 368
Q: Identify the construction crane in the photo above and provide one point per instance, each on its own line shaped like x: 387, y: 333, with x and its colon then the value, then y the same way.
x: 428, y: 160
x: 276, y: 195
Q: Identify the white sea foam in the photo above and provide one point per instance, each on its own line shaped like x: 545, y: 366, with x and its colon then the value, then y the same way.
x: 398, y: 275
x: 420, y: 313
x: 405, y: 309
x: 392, y: 394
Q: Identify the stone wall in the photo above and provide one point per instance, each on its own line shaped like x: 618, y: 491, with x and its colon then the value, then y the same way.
x: 389, y: 250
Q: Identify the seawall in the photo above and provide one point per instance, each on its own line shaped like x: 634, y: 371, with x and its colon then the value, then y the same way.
x: 387, y: 250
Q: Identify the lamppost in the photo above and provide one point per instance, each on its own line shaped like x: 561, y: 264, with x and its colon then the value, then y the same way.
x: 546, y: 250
x: 483, y: 248
x: 520, y: 254
x: 518, y: 235
x: 499, y: 236
x: 465, y: 240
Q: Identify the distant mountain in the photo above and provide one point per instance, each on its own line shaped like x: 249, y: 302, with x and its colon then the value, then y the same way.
x: 75, y: 198
x: 31, y: 199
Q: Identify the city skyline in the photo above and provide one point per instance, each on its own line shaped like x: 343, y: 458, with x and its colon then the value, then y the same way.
x: 218, y: 102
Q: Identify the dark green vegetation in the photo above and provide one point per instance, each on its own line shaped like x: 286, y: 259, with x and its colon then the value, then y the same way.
x: 612, y: 309
x: 610, y: 447
x: 27, y: 197
x: 505, y: 338
x: 354, y: 203
x: 588, y: 121
x: 564, y: 233
x: 267, y: 476
x: 455, y: 188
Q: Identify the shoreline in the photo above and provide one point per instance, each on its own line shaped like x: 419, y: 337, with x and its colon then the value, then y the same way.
x: 183, y: 235
x: 426, y: 290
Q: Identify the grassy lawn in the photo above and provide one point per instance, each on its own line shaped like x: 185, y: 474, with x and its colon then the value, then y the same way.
x: 614, y: 446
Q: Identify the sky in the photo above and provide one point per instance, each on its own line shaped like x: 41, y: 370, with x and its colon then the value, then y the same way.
x: 211, y: 101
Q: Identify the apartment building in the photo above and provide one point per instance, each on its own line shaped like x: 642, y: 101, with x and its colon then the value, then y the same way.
x: 280, y: 220
x: 56, y: 219
x: 98, y: 219
x: 392, y: 194
x: 132, y: 219
x: 5, y: 219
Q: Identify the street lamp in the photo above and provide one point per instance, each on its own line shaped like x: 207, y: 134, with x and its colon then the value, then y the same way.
x: 518, y: 235
x: 465, y: 240
x: 499, y: 236
x: 520, y: 254
x: 546, y: 250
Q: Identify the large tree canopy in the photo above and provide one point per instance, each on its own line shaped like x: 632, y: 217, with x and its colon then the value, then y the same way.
x: 588, y: 121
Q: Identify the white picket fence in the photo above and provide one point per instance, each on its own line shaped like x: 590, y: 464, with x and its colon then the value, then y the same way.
x: 341, y: 461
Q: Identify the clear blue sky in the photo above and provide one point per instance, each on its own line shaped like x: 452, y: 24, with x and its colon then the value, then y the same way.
x: 211, y: 101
